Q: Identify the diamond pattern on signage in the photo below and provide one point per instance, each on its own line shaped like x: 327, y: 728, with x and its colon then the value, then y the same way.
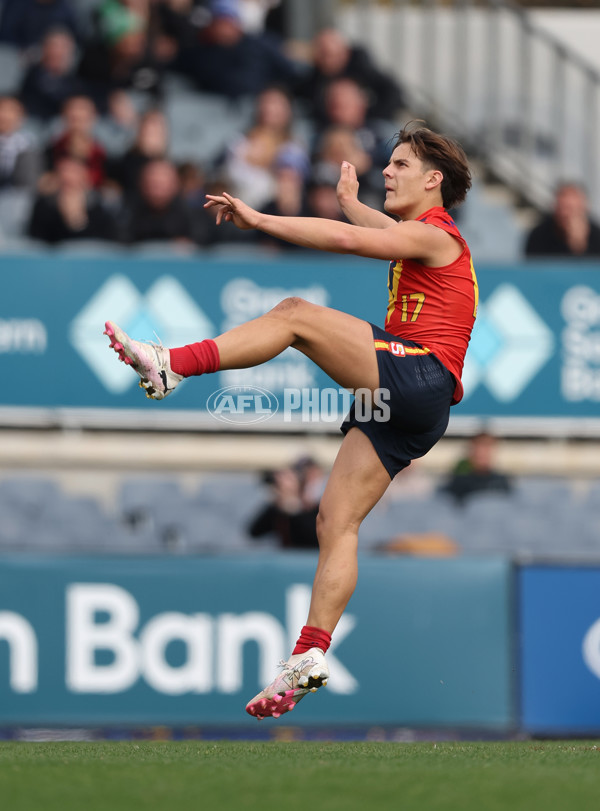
x: 166, y: 310
x: 522, y: 344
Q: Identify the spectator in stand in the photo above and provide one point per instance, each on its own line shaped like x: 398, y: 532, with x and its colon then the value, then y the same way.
x: 69, y: 208
x: 128, y: 51
x: 301, y: 192
x: 77, y: 140
x: 477, y: 472
x: 292, y: 168
x: 151, y: 144
x: 172, y: 26
x: 291, y: 514
x: 20, y: 159
x: 249, y: 163
x: 335, y: 58
x: 193, y: 186
x: 346, y: 105
x: 25, y: 23
x: 48, y: 83
x: 158, y: 212
x: 163, y: 22
x: 568, y: 230
x: 118, y: 127
x: 228, y: 61
x: 321, y: 198
x: 340, y: 143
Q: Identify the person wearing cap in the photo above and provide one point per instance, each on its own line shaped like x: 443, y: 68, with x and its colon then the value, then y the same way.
x: 227, y: 60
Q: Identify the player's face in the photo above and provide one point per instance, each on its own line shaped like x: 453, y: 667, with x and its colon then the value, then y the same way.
x: 405, y: 181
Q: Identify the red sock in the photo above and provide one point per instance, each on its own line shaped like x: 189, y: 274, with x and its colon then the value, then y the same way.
x: 311, y: 637
x: 195, y: 359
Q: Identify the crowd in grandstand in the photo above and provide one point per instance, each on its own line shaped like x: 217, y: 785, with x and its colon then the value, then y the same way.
x: 86, y: 135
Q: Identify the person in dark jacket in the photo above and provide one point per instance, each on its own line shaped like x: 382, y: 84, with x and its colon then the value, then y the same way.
x: 52, y: 80
x: 24, y: 23
x: 151, y: 143
x: 71, y: 210
x: 568, y: 230
x: 158, y: 212
x: 291, y: 514
x: 336, y: 58
x: 77, y: 139
x: 228, y: 61
x: 477, y: 472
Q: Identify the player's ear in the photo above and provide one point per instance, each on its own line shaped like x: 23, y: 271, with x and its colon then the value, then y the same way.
x: 434, y: 179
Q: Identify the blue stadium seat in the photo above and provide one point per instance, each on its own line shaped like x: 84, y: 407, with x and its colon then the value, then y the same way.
x: 17, y: 245
x: 90, y: 247
x: 14, y: 531
x: 144, y: 492
x: 28, y: 496
x: 12, y: 68
x: 537, y: 491
x: 202, y: 123
x: 15, y: 210
x: 491, y: 228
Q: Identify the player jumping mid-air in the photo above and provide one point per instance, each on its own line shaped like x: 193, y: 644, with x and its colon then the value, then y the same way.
x: 416, y: 361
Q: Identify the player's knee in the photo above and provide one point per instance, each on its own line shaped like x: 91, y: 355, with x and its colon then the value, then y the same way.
x: 332, y: 529
x: 290, y: 306
x: 323, y: 527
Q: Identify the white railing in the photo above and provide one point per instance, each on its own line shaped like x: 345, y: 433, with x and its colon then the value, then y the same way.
x: 483, y: 71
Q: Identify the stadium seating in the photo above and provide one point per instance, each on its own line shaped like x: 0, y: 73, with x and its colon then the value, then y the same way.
x: 15, y: 210
x: 12, y: 68
x: 87, y: 247
x: 491, y: 226
x: 202, y: 123
x: 543, y: 518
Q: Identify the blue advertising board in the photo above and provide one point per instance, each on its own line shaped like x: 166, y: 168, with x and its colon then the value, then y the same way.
x: 173, y: 641
x: 535, y: 351
x: 559, y: 632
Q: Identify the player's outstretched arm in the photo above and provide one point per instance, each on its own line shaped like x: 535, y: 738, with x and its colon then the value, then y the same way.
x: 358, y: 213
x: 308, y: 232
x: 407, y: 239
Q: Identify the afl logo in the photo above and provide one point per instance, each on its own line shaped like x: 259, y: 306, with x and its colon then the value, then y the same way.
x: 242, y: 405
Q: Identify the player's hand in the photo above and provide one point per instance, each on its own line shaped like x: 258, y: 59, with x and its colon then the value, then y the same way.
x: 231, y: 209
x: 347, y: 187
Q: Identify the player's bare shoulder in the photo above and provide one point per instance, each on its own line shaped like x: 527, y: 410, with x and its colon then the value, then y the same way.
x: 425, y: 242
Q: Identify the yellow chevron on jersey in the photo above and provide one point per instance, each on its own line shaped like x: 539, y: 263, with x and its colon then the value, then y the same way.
x: 475, y: 289
x: 394, y: 280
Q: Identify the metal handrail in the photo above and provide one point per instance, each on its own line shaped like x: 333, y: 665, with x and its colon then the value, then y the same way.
x: 521, y: 100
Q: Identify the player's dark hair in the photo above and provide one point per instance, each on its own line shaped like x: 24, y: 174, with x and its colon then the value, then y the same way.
x: 442, y: 153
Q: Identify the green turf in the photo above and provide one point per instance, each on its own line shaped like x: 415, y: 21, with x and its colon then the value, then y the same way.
x: 218, y: 776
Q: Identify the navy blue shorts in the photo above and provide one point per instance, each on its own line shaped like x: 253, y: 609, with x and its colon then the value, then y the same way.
x: 421, y: 391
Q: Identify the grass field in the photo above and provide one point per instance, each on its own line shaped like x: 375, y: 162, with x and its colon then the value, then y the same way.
x: 219, y: 776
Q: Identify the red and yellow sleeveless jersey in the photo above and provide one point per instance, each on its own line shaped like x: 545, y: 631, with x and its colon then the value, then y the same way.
x: 435, y: 307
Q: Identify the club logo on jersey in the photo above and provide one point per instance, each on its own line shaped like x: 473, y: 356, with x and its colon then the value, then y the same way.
x: 397, y: 349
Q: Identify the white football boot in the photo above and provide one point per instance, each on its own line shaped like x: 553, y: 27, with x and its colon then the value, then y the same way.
x: 151, y: 361
x: 303, y: 673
